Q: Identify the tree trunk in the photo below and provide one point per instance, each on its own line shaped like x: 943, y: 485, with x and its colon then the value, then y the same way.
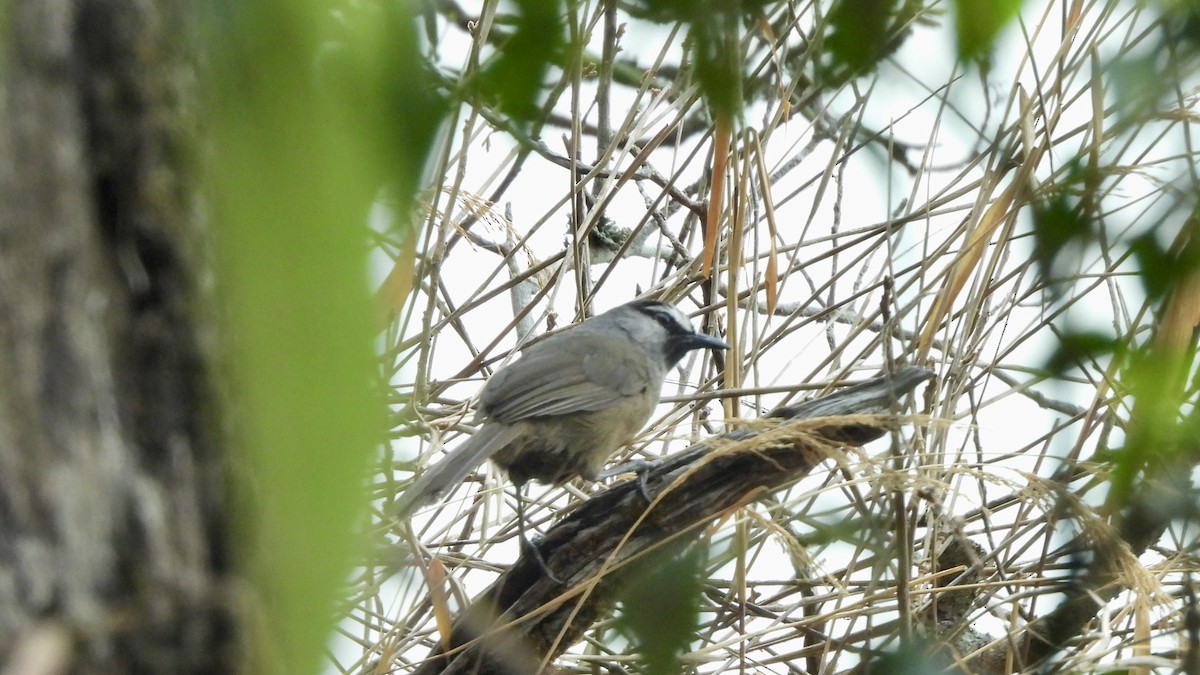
x: 112, y: 554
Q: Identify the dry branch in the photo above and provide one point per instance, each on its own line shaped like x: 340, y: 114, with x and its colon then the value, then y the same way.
x: 527, y: 618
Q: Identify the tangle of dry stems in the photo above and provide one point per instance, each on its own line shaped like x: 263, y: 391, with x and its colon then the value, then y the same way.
x: 878, y: 220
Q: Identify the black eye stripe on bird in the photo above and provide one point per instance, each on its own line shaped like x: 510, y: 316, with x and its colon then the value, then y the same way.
x: 571, y: 400
x: 666, y: 315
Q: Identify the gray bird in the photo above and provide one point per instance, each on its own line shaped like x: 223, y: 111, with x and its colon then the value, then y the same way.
x: 571, y: 400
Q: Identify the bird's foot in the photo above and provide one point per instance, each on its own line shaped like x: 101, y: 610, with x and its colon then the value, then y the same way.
x: 641, y: 467
x: 530, y: 550
x: 638, y: 466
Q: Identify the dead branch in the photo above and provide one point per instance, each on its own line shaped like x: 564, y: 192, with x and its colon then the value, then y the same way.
x: 526, y: 618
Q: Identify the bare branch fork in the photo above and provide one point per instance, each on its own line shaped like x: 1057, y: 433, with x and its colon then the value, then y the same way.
x: 526, y: 618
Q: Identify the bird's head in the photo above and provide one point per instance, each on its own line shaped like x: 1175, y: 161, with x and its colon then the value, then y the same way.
x: 662, y: 329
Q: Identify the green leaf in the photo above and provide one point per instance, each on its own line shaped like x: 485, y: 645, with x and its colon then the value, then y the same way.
x: 978, y: 22
x: 660, y: 609
x: 1079, y: 347
x: 859, y: 33
x: 1157, y: 432
x: 301, y: 147
x: 1161, y: 269
x: 714, y: 44
x: 513, y: 80
x: 1062, y: 225
x: 716, y: 49
x: 1057, y: 222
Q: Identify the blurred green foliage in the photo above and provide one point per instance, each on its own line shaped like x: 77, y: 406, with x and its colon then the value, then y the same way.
x: 859, y: 32
x: 976, y: 25
x: 1064, y: 223
x: 863, y: 33
x: 1076, y: 348
x: 301, y: 147
x: 660, y: 609
x: 1155, y: 436
x: 1160, y: 266
x: 1070, y: 223
x: 713, y: 42
x: 512, y: 81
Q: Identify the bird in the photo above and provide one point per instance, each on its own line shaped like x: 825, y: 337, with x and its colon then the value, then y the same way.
x: 570, y: 400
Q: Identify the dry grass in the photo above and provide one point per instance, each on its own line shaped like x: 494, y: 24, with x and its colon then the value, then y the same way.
x: 881, y: 222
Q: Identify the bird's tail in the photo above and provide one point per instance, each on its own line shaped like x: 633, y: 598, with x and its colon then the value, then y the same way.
x: 489, y: 440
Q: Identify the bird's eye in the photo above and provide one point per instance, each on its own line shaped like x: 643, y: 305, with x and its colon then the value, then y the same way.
x: 664, y: 321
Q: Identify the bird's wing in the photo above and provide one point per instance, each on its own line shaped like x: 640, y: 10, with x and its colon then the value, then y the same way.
x: 578, y: 371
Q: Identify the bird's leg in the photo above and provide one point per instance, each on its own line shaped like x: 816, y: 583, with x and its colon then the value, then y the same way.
x: 527, y: 546
x: 637, y: 466
x: 641, y: 467
x: 643, y: 481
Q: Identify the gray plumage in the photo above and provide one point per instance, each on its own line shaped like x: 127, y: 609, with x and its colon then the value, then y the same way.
x: 571, y: 400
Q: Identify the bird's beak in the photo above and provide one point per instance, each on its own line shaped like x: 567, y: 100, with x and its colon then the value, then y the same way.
x: 700, y: 341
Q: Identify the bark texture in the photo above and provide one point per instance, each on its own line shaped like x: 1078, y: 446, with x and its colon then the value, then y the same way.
x: 111, y: 556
